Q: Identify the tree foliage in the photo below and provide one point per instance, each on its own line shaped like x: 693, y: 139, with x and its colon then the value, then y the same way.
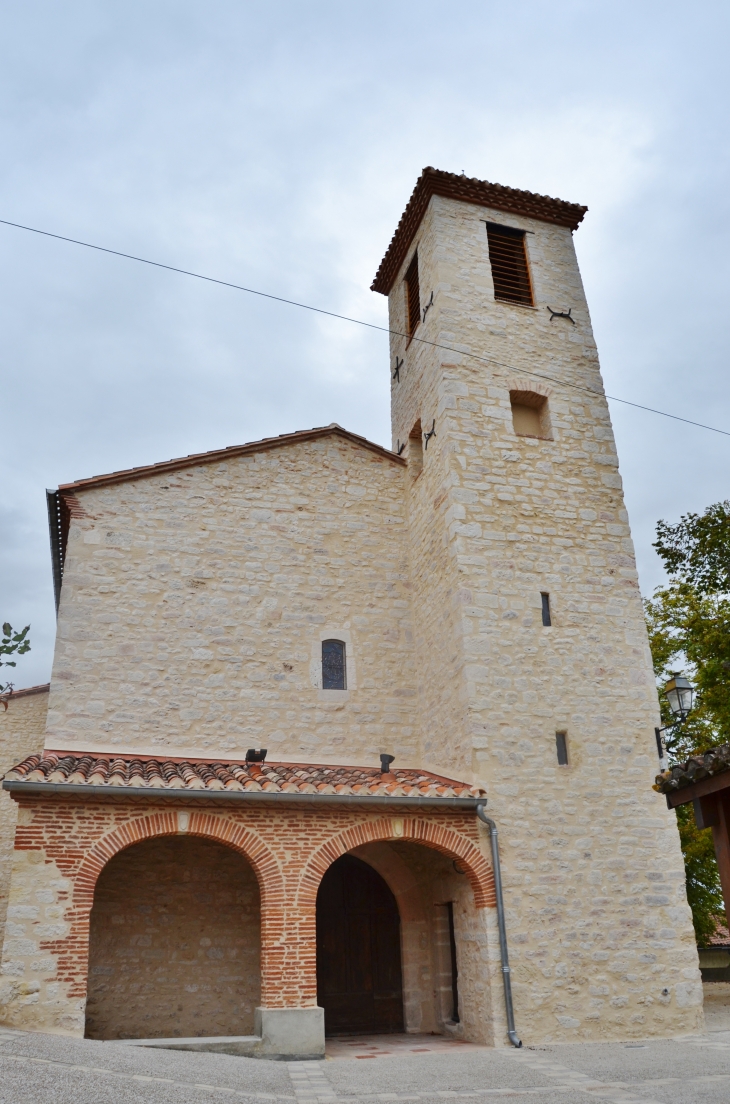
x: 13, y: 643
x: 697, y: 549
x: 689, y: 630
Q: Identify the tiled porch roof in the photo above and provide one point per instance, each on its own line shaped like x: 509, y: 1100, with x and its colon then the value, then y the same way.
x: 78, y: 770
x: 703, y: 765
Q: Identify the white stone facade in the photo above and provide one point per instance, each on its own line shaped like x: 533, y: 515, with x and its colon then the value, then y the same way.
x: 195, y: 601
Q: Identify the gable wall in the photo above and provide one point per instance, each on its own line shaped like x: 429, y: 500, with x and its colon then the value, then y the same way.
x: 194, y: 604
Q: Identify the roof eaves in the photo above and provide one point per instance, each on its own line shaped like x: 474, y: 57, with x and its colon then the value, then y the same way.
x: 469, y: 190
x: 165, y: 796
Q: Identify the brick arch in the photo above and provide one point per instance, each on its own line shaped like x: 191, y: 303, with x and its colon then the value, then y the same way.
x: 436, y: 836
x: 206, y: 825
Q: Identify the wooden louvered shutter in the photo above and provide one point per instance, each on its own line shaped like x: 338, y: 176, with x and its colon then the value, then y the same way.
x: 509, y: 264
x: 413, y: 295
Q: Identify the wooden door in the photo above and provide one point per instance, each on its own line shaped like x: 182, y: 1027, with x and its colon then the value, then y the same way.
x: 359, y: 981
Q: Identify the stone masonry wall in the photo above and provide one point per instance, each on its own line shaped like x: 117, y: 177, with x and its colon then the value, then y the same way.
x: 63, y: 845
x: 22, y: 727
x: 600, y: 931
x: 174, y: 947
x: 194, y: 605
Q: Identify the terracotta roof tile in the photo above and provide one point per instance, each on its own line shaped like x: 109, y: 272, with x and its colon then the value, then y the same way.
x: 61, y: 768
x: 697, y: 767
x: 468, y: 190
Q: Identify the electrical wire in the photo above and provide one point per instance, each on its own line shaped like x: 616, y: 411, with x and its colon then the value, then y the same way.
x: 359, y: 322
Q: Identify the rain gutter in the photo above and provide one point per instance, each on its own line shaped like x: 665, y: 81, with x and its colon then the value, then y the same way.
x: 506, y: 977
x: 226, y: 797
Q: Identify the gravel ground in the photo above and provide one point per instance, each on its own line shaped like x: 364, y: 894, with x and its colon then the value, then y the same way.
x: 52, y: 1069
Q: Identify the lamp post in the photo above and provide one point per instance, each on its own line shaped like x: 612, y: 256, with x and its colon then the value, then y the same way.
x: 679, y: 692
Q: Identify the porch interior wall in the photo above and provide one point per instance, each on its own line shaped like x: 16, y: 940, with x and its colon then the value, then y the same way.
x: 175, y: 943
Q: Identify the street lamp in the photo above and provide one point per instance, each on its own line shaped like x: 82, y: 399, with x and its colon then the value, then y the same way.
x: 679, y: 692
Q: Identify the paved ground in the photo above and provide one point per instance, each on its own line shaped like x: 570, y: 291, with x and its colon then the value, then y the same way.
x: 48, y: 1069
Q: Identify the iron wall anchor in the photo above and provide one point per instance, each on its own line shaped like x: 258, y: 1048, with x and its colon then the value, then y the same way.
x: 561, y: 314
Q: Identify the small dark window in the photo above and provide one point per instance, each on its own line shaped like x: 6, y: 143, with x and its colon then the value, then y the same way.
x: 334, y: 675
x: 561, y: 744
x: 546, y: 620
x: 413, y: 296
x: 509, y: 264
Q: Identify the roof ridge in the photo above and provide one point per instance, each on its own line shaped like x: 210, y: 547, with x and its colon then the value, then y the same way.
x: 125, y: 475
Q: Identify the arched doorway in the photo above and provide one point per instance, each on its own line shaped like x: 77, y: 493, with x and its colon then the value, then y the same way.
x: 359, y: 978
x: 174, y: 942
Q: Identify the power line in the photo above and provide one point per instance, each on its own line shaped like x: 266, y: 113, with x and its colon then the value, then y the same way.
x: 359, y: 322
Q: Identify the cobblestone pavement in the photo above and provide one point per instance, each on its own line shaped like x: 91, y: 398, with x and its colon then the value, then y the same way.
x: 52, y: 1069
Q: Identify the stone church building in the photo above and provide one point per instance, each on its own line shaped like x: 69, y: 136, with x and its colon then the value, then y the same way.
x: 290, y: 675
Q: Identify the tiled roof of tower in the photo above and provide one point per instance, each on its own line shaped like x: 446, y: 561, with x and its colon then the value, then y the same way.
x: 196, y: 458
x: 468, y: 190
x: 144, y: 772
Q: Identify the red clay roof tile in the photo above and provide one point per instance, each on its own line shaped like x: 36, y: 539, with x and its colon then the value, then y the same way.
x: 468, y: 190
x: 70, y: 768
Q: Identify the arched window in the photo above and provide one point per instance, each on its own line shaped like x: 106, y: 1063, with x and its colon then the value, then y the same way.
x: 334, y: 673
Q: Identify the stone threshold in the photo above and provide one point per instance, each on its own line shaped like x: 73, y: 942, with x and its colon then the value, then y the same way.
x: 243, y: 1046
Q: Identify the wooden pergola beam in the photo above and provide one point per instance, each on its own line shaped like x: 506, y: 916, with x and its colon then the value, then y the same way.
x: 710, y: 798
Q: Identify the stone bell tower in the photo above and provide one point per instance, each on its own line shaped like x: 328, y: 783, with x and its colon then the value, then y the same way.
x: 534, y: 665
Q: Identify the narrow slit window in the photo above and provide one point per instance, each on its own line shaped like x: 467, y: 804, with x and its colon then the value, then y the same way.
x: 334, y: 671
x: 546, y: 618
x: 415, y: 450
x: 413, y: 296
x: 508, y: 259
x: 561, y: 746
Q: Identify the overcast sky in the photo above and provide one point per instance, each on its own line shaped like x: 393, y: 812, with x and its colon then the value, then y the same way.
x: 275, y: 145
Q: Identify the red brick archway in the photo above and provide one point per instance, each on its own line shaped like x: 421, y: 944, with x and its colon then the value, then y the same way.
x: 217, y: 828
x: 202, y: 824
x: 434, y: 835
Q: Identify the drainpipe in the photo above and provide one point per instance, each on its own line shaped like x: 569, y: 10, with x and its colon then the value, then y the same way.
x: 511, y: 1033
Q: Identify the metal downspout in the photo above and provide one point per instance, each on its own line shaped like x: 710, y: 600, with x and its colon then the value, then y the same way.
x: 511, y: 1033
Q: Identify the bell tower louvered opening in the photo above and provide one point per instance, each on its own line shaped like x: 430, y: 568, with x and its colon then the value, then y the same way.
x: 413, y: 296
x: 509, y: 264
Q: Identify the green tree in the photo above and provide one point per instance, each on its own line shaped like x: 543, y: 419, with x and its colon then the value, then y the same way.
x: 689, y: 629
x: 13, y: 643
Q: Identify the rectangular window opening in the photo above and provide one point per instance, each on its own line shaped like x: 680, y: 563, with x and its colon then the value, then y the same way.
x: 561, y: 745
x: 508, y: 259
x: 334, y: 671
x: 546, y: 619
x: 530, y: 415
x: 413, y: 296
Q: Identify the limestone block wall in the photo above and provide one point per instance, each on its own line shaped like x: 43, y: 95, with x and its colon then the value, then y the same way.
x: 520, y: 516
x: 174, y: 948
x: 194, y: 605
x: 22, y: 727
x: 64, y: 845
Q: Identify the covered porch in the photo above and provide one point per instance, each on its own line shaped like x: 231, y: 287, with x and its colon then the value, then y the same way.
x: 248, y: 907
